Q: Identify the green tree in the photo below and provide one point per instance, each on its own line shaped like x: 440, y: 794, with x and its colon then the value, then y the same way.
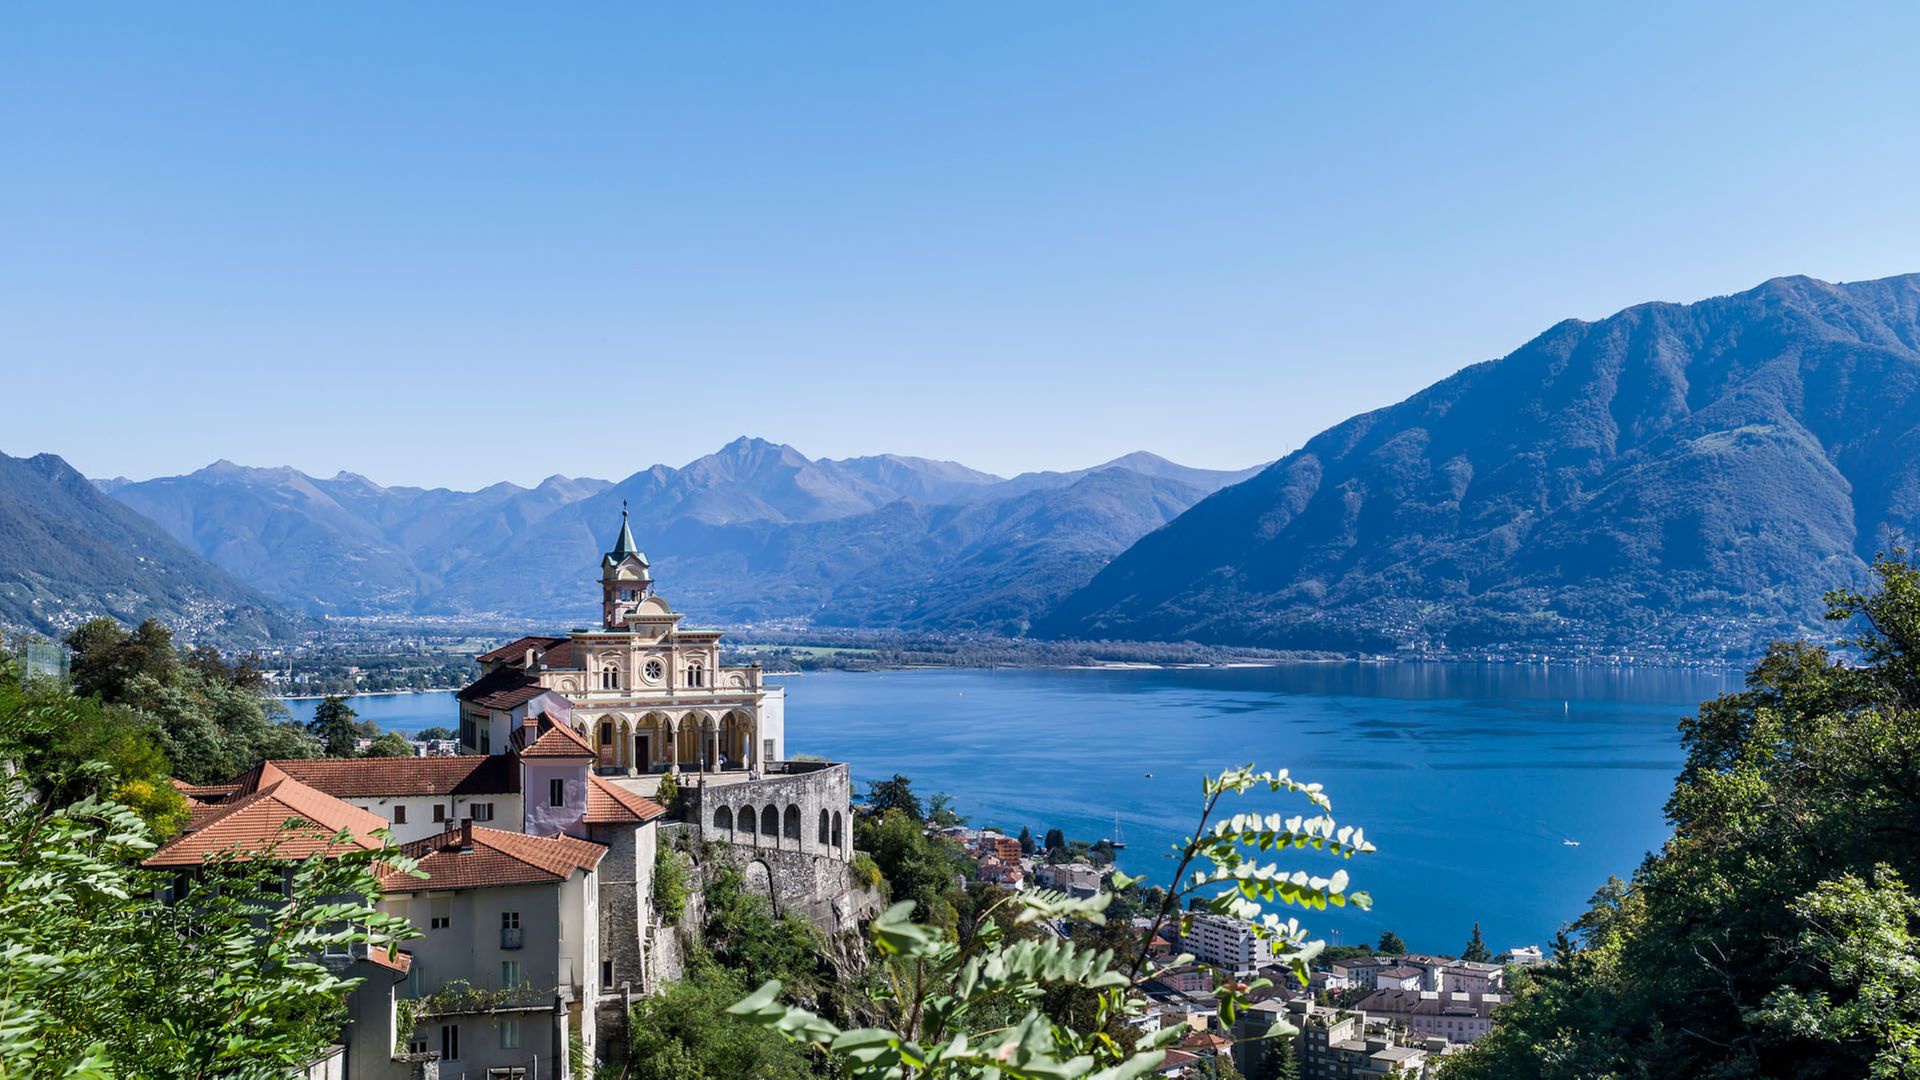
x: 103, y: 980
x: 333, y: 725
x: 943, y: 1004
x: 668, y: 794
x: 1026, y: 841
x: 940, y: 811
x: 390, y: 744
x: 1056, y: 840
x: 106, y: 659
x: 1763, y: 936
x: 916, y: 867
x: 436, y: 732
x: 74, y: 747
x: 1476, y: 949
x: 1391, y: 944
x: 895, y: 793
x: 685, y: 1033
x: 670, y: 890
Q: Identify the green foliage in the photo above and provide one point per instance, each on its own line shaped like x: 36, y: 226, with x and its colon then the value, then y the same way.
x: 1056, y: 840
x: 436, y: 732
x: 1391, y: 944
x: 668, y: 794
x: 1769, y: 935
x: 747, y: 937
x: 211, y: 720
x: 107, y: 659
x: 1476, y: 949
x: 1860, y: 944
x: 895, y: 793
x: 866, y: 872
x: 333, y: 725
x: 102, y: 979
x: 916, y: 866
x: 973, y: 1008
x: 1027, y: 846
x: 670, y: 889
x: 685, y: 1033
x: 73, y: 747
x: 940, y: 811
x: 389, y: 744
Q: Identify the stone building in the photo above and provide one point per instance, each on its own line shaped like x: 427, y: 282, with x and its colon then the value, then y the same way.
x: 649, y: 694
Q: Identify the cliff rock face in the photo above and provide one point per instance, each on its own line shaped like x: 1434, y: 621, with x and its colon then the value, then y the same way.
x: 1687, y: 477
x: 68, y: 553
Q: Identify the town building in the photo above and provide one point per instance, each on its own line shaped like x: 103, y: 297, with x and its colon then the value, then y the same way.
x: 1457, y: 1018
x: 1227, y: 943
x: 650, y: 694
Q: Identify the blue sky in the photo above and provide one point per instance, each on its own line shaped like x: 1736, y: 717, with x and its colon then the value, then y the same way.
x: 457, y: 243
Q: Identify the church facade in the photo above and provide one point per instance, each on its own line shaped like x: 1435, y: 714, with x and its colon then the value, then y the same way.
x: 649, y: 694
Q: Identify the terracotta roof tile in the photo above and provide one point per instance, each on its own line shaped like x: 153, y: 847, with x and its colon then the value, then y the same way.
x: 516, y: 650
x: 611, y: 804
x: 555, y: 739
x: 496, y: 858
x: 502, y: 689
x: 351, y: 778
x: 391, y: 958
x: 256, y: 823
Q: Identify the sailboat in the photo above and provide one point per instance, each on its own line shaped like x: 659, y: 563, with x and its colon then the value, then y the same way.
x: 1119, y: 839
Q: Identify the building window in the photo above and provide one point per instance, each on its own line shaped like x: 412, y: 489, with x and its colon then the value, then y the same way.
x: 399, y: 815
x: 606, y: 733
x: 606, y: 974
x: 509, y: 1034
x: 510, y: 930
x: 450, y: 1042
x: 481, y: 811
x: 442, y: 916
x: 695, y: 675
x: 655, y: 670
x: 609, y: 678
x: 439, y: 812
x: 556, y: 792
x: 509, y: 974
x: 416, y: 985
x: 416, y: 1046
x: 486, y: 742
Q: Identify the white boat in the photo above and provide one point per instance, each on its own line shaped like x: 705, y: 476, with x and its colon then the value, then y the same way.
x: 1571, y: 843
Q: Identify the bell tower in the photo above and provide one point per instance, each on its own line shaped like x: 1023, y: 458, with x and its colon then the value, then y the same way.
x: 624, y: 577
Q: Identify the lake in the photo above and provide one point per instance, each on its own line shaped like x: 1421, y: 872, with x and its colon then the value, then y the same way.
x: 1468, y: 777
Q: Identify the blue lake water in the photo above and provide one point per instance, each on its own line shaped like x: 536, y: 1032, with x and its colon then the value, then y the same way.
x: 1469, y: 778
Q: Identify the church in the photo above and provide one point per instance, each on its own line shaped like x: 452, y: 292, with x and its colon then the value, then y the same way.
x: 649, y: 694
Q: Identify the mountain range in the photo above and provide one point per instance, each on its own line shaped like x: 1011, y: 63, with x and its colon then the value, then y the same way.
x: 1676, y: 477
x: 68, y: 552
x: 1681, y: 479
x: 755, y: 531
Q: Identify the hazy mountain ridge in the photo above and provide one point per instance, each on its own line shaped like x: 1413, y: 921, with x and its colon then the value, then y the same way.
x: 755, y: 530
x: 1688, y: 477
x: 68, y: 553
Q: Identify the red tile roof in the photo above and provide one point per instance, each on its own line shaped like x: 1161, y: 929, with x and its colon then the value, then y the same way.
x: 362, y: 778
x: 515, y: 651
x: 391, y: 958
x: 502, y: 689
x: 256, y: 823
x: 611, y: 804
x: 555, y: 739
x: 496, y: 858
x: 207, y: 794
